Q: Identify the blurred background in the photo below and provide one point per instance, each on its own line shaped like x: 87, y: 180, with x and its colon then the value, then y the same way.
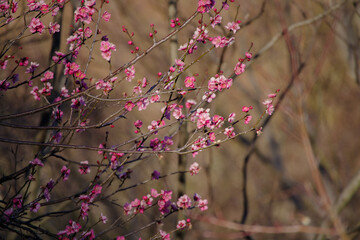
x: 298, y: 172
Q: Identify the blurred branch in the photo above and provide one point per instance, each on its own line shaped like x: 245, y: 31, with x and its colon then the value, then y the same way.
x: 267, y: 229
x: 298, y: 25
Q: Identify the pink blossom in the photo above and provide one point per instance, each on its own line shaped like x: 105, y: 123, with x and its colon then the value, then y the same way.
x: 37, y: 162
x: 72, y: 228
x: 177, y: 112
x: 189, y: 82
x: 34, y: 207
x: 138, y: 123
x: 84, y: 14
x: 164, y: 235
x: 184, y: 202
x: 181, y: 224
x: 71, y: 68
x: 129, y: 106
x: 35, y: 93
x: 155, y: 98
x: 17, y: 201
x: 103, y: 218
x: 216, y: 20
x: 201, y: 34
x: 3, y: 64
x: 231, y: 117
x: 180, y: 64
x: 239, y: 68
x: 247, y: 119
x: 190, y: 103
x: 54, y: 27
x: 106, y: 47
x: 216, y: 121
x: 205, y: 5
x: 90, y: 235
x: 142, y: 104
x: 269, y: 106
x: 106, y: 16
x: 203, y: 117
x: 194, y: 169
x: 130, y: 73
x: 84, y: 167
x: 203, y: 204
x: 233, y: 26
x: 154, y: 193
x: 229, y: 132
x: 272, y: 95
x: 219, y: 83
x: 36, y: 26
x: 248, y: 55
x: 65, y: 172
x: 32, y: 67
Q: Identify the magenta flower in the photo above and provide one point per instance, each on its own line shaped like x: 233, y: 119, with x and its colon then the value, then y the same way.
x: 37, y: 162
x: 65, y: 172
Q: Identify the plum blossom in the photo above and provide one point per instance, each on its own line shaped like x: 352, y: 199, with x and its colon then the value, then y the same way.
x: 203, y: 204
x: 181, y: 224
x: 231, y: 117
x: 37, y: 162
x: 247, y: 119
x: 84, y: 167
x: 36, y: 26
x: 106, y: 16
x: 215, y: 20
x: 164, y: 235
x: 34, y: 207
x: 106, y: 47
x: 205, y: 5
x: 190, y: 103
x: 219, y: 83
x: 130, y: 73
x: 229, y: 132
x: 65, y: 172
x: 189, y: 82
x: 184, y: 202
x: 194, y: 169
x: 269, y: 106
x: 233, y: 26
x: 239, y: 68
x: 54, y: 27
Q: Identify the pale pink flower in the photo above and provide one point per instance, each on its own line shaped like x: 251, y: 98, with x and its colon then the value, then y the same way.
x: 54, y: 27
x: 216, y: 20
x: 181, y: 224
x: 106, y: 16
x: 203, y: 204
x: 233, y: 26
x: 106, y: 47
x: 239, y: 68
x: 247, y: 119
x: 184, y: 202
x: 84, y: 167
x: 36, y: 26
x: 231, y: 117
x: 194, y: 169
